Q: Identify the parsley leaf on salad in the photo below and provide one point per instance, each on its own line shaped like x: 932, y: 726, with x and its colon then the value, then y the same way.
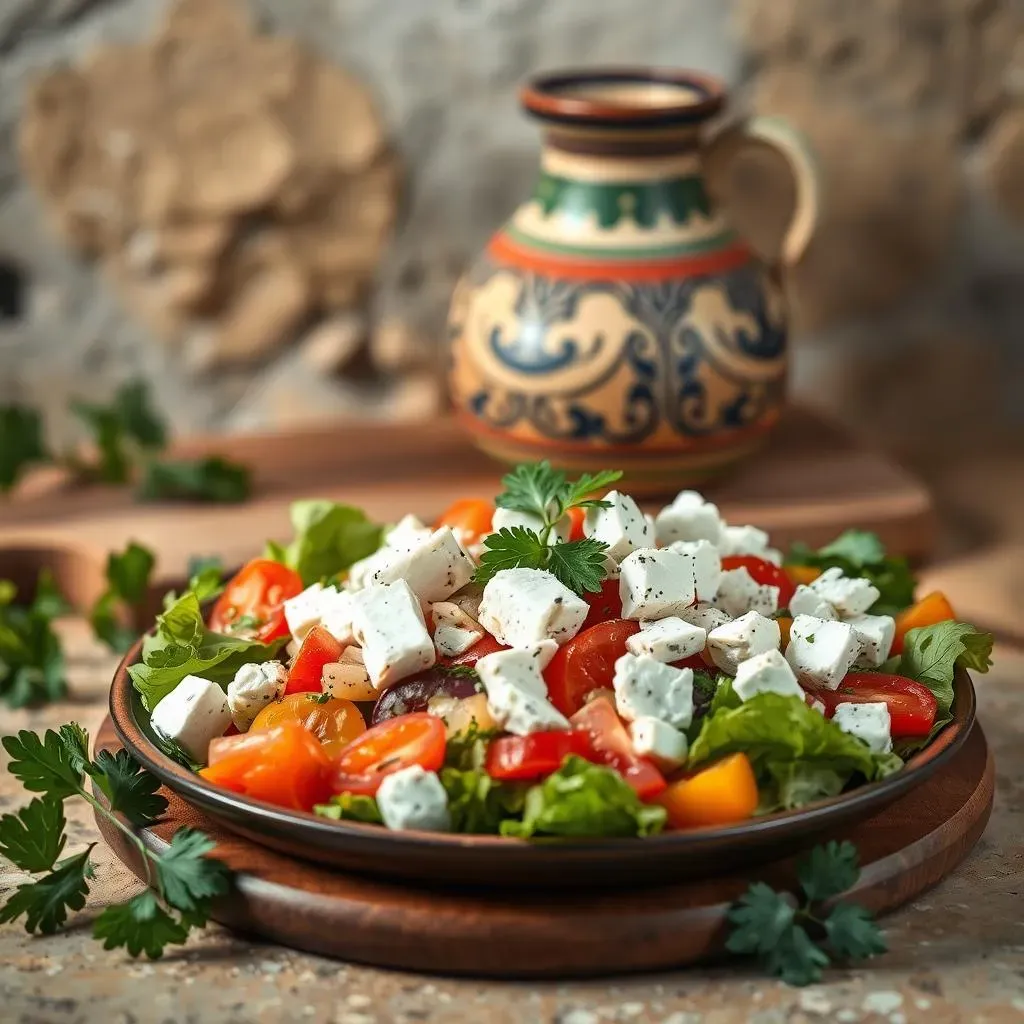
x: 861, y: 553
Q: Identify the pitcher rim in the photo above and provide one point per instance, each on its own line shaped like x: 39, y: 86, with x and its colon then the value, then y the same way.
x: 548, y: 96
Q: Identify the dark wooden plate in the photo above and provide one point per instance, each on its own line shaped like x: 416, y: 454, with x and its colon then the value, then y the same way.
x: 428, y: 857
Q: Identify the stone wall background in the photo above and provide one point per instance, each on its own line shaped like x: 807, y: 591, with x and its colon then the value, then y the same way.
x: 908, y: 310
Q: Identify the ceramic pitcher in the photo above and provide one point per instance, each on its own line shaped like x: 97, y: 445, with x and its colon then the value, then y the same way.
x: 617, y: 319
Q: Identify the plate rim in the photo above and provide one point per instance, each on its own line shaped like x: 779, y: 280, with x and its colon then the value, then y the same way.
x: 818, y: 815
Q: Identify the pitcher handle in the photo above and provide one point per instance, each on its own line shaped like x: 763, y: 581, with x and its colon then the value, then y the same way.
x: 783, y: 137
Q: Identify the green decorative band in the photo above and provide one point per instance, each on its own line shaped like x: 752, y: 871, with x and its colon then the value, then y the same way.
x: 722, y: 240
x: 644, y: 202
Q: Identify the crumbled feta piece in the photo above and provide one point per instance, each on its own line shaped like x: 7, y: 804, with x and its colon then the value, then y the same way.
x: 193, y: 713
x: 302, y: 612
x: 849, y: 596
x: 434, y: 567
x: 660, y: 742
x: 868, y: 722
x: 507, y: 518
x: 516, y: 692
x: 821, y: 650
x: 522, y: 606
x: 876, y: 634
x: 689, y: 517
x: 388, y: 624
x: 707, y: 566
x: 768, y: 672
x: 670, y: 639
x: 336, y: 614
x: 735, y: 642
x: 707, y: 616
x: 806, y: 601
x: 520, y: 667
x: 413, y: 798
x: 454, y: 631
x: 646, y: 688
x: 622, y: 526
x: 408, y: 530
x: 739, y: 592
x: 655, y: 583
x: 748, y: 540
x: 253, y: 688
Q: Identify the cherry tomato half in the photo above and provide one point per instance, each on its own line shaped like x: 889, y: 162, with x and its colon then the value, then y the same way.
x: 587, y: 663
x: 763, y: 572
x: 533, y: 756
x: 285, y: 766
x: 471, y: 516
x: 610, y: 745
x: 397, y: 743
x: 604, y: 605
x: 319, y: 648
x: 335, y: 722
x: 485, y: 645
x: 912, y: 706
x: 257, y: 591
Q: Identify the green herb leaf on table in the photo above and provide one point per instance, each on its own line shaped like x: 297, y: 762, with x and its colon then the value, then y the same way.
x: 210, y: 479
x: 328, y: 539
x: 853, y: 934
x: 21, y: 443
x: 128, y: 574
x: 760, y: 918
x: 50, y: 765
x: 31, y: 654
x: 33, y: 838
x: 188, y: 878
x: 141, y: 926
x: 828, y: 871
x: 129, y: 789
x: 796, y: 960
x: 351, y: 807
x: 46, y: 902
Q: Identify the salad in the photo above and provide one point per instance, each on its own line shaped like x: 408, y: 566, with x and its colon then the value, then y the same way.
x: 554, y: 663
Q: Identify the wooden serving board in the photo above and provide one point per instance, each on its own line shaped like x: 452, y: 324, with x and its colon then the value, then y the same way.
x: 809, y: 484
x: 904, y: 850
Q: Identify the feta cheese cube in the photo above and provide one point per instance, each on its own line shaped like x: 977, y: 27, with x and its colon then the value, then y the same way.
x: 646, y: 688
x: 193, y: 713
x: 809, y: 602
x: 707, y: 616
x: 739, y: 592
x: 522, y: 606
x: 302, y: 612
x: 766, y: 673
x: 388, y: 625
x: 868, y: 722
x: 654, y: 584
x: 657, y: 740
x: 876, y: 634
x: 454, y: 631
x: 670, y: 639
x: 520, y: 667
x: 413, y: 798
x: 748, y: 540
x: 516, y: 692
x: 408, y: 530
x: 622, y: 526
x: 848, y: 596
x: 707, y: 566
x: 735, y: 642
x: 434, y: 567
x: 821, y: 651
x: 253, y: 688
x: 336, y: 614
x: 507, y: 518
x: 689, y: 517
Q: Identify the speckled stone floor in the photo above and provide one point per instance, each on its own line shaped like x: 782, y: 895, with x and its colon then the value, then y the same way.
x: 957, y: 954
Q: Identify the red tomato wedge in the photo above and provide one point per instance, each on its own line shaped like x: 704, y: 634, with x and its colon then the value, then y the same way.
x: 610, y: 745
x: 534, y: 756
x: 258, y: 590
x: 765, y: 573
x: 587, y: 663
x: 285, y: 766
x: 485, y: 645
x: 471, y: 516
x: 912, y: 706
x: 604, y: 605
x: 397, y: 743
x: 318, y: 649
x: 933, y: 608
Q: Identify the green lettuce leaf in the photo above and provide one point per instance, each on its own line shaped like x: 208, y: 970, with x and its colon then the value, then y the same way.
x: 861, y: 553
x: 584, y: 799
x: 182, y: 645
x: 351, y: 807
x: 779, y: 733
x: 328, y: 539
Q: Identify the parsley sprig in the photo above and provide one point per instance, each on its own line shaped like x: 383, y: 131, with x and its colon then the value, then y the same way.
x: 182, y: 881
x: 545, y: 493
x: 794, y: 939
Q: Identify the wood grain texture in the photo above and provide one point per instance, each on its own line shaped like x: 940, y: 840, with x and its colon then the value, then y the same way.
x: 904, y: 850
x: 811, y: 483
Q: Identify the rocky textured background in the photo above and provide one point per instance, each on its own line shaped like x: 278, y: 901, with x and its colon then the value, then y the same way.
x: 265, y: 305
